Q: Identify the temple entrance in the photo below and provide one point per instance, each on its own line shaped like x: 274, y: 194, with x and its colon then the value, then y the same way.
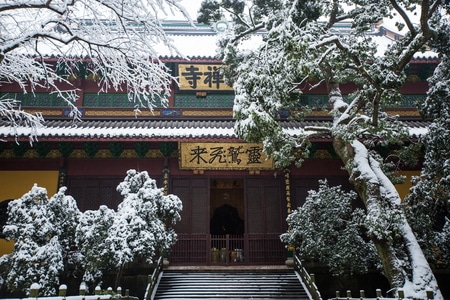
x: 227, y: 221
x: 227, y: 225
x: 227, y: 208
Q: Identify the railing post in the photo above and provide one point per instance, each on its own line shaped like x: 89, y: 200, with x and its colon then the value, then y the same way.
x: 362, y: 294
x: 430, y: 294
x: 208, y: 249
x: 338, y: 295
x: 34, y: 290
x: 378, y: 293
x: 401, y: 294
x: 98, y: 290
x: 62, y: 291
x: 246, y: 248
x: 82, y: 289
x: 349, y: 294
x: 227, y: 246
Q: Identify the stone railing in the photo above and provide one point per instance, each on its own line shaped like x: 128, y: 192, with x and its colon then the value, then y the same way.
x: 308, y: 279
x: 153, y: 280
x: 362, y: 295
x: 99, y: 294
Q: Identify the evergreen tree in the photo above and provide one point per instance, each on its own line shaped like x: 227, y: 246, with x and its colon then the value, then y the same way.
x: 145, y: 216
x: 38, y: 255
x: 326, y: 228
x: 92, y: 235
x: 428, y: 204
x: 66, y: 218
x: 291, y: 51
x: 53, y: 240
x: 141, y: 227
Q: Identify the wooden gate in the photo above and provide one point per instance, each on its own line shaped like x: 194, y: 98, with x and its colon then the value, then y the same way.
x: 249, y: 249
x: 262, y: 213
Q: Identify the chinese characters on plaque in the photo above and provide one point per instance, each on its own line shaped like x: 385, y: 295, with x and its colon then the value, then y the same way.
x: 202, y: 77
x: 237, y: 156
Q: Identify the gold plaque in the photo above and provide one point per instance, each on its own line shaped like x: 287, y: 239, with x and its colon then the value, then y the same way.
x: 223, y: 156
x: 201, y: 77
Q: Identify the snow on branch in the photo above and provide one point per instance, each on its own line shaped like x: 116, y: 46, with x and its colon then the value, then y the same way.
x: 17, y: 117
x: 118, y: 39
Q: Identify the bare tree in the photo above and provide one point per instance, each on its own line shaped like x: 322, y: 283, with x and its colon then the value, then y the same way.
x: 48, y: 44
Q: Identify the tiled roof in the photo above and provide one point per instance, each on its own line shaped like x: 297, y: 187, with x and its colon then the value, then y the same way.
x: 158, y: 129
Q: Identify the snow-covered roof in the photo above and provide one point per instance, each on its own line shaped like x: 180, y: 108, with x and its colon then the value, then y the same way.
x: 196, y: 40
x: 160, y: 129
x: 200, y: 40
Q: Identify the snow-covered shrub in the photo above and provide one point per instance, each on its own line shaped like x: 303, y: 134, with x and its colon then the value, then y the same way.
x: 66, y: 218
x: 326, y: 228
x: 139, y: 229
x: 44, y: 247
x: 428, y: 204
x: 54, y: 240
x: 145, y: 215
x: 92, y: 239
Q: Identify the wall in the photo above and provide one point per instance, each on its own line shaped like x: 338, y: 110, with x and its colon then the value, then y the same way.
x: 14, y: 184
x: 403, y: 189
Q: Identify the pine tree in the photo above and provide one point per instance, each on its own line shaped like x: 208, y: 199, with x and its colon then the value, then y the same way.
x: 428, y: 204
x: 326, y: 228
x: 292, y: 50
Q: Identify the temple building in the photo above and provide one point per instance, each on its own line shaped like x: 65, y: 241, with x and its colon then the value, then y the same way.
x: 234, y: 199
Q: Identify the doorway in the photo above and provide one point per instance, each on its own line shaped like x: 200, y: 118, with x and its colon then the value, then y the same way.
x: 227, y: 226
x: 227, y: 208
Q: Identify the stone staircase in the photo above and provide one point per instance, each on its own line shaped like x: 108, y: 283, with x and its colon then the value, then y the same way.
x: 230, y: 285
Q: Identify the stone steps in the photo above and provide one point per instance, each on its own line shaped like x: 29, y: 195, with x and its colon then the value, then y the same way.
x: 230, y: 285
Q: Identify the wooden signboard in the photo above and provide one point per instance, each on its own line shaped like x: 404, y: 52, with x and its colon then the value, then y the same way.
x: 202, y: 77
x: 223, y: 156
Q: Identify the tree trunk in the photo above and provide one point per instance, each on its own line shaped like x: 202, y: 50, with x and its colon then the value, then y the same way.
x: 378, y: 194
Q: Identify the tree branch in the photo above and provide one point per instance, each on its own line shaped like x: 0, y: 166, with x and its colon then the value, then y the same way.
x: 404, y: 16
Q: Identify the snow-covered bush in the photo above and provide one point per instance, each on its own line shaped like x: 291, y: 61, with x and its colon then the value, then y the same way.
x: 428, y: 204
x: 145, y: 216
x: 91, y: 236
x: 139, y: 229
x: 328, y: 229
x: 43, y: 231
x: 54, y: 240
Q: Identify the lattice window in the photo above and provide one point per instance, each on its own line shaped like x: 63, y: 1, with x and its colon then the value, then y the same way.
x: 92, y: 192
x: 321, y: 101
x: 113, y: 100
x: 209, y: 101
x: 36, y: 99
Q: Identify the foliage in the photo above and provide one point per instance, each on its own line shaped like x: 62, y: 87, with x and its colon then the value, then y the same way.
x: 291, y: 50
x: 428, y: 204
x: 328, y: 229
x: 49, y: 45
x: 54, y: 240
x: 139, y: 229
x: 43, y: 231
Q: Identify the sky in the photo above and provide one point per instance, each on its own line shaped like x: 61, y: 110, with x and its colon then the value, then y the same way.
x: 192, y: 6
